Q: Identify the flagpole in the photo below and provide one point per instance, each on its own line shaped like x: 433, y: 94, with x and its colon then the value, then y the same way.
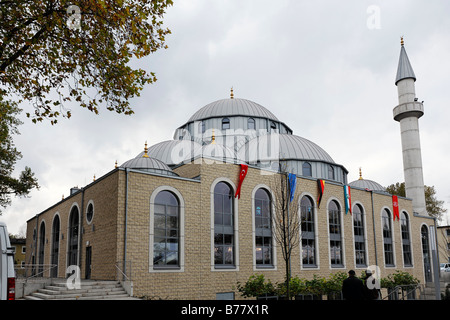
x: 288, y: 234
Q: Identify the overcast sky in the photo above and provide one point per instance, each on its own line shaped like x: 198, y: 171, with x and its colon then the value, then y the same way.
x: 325, y: 68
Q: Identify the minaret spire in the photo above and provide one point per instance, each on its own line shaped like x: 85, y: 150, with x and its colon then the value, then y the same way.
x: 408, y: 112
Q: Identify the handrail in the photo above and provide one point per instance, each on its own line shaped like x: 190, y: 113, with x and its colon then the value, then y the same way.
x: 37, y: 270
x: 409, y: 289
x: 125, y: 265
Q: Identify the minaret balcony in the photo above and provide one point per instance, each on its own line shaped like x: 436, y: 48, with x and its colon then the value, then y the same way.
x: 408, y: 109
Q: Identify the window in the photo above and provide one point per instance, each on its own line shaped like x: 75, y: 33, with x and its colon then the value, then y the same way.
x: 41, y: 252
x: 330, y: 172
x: 406, y: 239
x: 251, y: 124
x: 273, y: 125
x: 387, y: 238
x: 73, y: 236
x: 202, y: 127
x: 308, y: 232
x: 263, y: 228
x: 225, y: 123
x: 166, y: 231
x: 55, y: 246
x: 334, y: 225
x: 89, y: 213
x: 223, y: 226
x: 306, y: 169
x: 358, y: 232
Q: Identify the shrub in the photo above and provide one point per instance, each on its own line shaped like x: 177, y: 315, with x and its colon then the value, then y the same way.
x: 256, y: 286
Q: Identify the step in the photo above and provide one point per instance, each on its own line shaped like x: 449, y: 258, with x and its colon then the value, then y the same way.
x: 89, y: 290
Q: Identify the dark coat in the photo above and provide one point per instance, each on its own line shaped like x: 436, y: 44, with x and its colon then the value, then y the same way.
x: 353, y: 288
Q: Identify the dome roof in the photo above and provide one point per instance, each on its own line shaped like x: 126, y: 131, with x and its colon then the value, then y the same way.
x: 173, y: 152
x: 232, y: 107
x: 367, y: 184
x: 286, y: 147
x: 148, y: 164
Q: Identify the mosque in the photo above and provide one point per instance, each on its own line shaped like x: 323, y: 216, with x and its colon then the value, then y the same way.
x: 188, y: 218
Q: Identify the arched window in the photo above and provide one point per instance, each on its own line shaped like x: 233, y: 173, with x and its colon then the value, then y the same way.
x: 330, y: 172
x: 358, y: 232
x: 426, y: 253
x: 251, y: 125
x: 263, y: 228
x: 55, y: 246
x: 202, y: 127
x: 273, y: 126
x: 223, y: 226
x: 387, y: 238
x: 335, y: 229
x: 308, y: 234
x: 166, y: 230
x: 72, y: 254
x: 306, y: 169
x: 41, y: 248
x: 225, y: 123
x: 406, y: 239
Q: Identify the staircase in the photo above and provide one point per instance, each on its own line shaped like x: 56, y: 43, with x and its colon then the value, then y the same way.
x: 90, y: 290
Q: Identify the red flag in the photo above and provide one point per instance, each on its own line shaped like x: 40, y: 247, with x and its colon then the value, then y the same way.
x: 395, y: 207
x: 242, y: 175
x: 321, y: 187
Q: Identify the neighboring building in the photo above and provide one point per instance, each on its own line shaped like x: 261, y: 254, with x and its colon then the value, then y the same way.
x: 443, y: 239
x: 170, y: 220
x: 20, y: 247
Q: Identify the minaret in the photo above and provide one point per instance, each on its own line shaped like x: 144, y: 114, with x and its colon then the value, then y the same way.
x: 408, y: 112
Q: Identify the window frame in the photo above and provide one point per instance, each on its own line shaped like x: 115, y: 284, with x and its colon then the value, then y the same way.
x: 359, y: 236
x: 181, y: 231
x: 388, y: 238
x: 336, y: 240
x: 406, y: 241
x: 308, y: 232
x: 266, y: 232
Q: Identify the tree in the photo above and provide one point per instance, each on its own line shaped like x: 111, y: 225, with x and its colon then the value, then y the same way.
x: 434, y: 206
x: 9, y: 156
x: 286, y: 229
x: 53, y: 52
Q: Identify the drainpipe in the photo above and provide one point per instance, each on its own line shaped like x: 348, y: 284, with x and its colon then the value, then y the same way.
x: 80, y: 242
x: 126, y: 223
x: 374, y: 230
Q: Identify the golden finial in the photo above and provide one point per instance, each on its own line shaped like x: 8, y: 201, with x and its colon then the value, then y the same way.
x: 62, y: 197
x: 360, y: 174
x: 145, y: 151
x: 231, y: 94
x: 94, y: 177
x: 213, y: 140
x: 401, y: 41
x: 115, y: 165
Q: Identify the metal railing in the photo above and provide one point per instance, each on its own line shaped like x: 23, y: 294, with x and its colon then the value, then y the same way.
x: 29, y: 271
x: 123, y: 270
x: 403, y: 292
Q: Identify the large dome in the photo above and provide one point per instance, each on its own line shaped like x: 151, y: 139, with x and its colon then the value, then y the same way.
x: 232, y: 107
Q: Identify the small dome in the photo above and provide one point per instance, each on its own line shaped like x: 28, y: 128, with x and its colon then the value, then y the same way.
x: 145, y: 163
x: 232, y: 107
x: 367, y: 184
x: 173, y: 152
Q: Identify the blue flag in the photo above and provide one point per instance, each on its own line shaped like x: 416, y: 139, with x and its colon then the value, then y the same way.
x: 292, y: 185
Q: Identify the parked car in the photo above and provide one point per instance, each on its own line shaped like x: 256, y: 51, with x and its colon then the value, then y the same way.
x: 445, y: 267
x: 7, y: 274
